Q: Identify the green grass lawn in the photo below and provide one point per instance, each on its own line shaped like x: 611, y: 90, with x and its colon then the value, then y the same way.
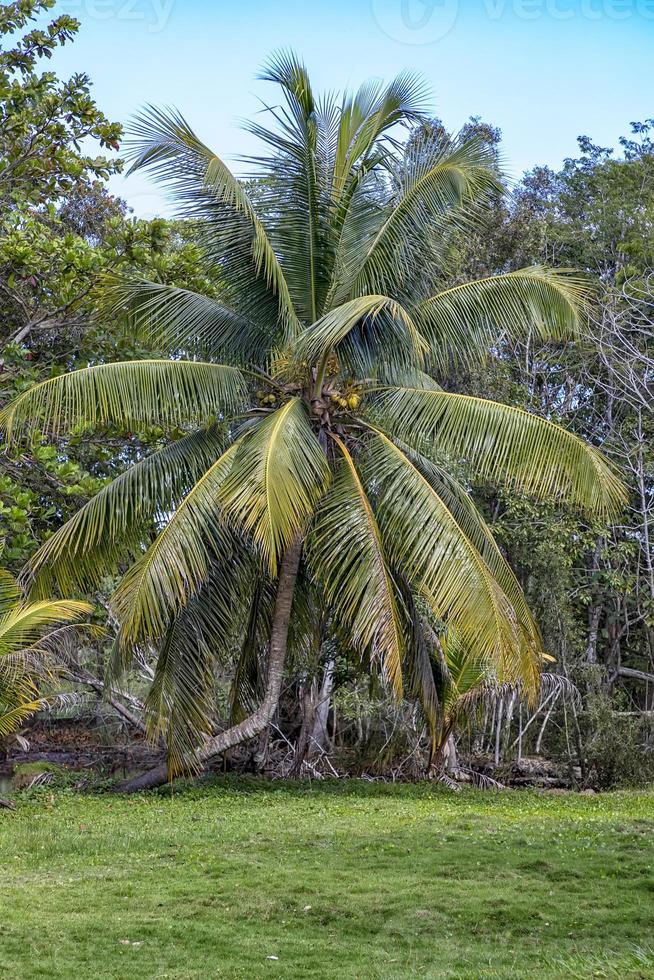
x: 344, y: 880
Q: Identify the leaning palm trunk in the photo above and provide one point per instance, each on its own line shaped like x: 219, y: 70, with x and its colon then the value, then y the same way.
x: 316, y: 410
x: 258, y: 721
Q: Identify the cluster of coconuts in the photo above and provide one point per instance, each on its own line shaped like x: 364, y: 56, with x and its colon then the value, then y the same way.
x: 351, y: 401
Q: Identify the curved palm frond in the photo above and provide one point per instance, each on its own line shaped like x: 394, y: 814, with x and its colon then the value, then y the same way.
x: 278, y: 475
x: 362, y: 145
x: 188, y: 321
x: 176, y: 564
x: 346, y: 555
x: 12, y: 719
x: 10, y: 592
x: 422, y: 668
x: 247, y: 687
x: 501, y: 442
x: 365, y: 117
x: 468, y: 674
x: 164, y: 144
x: 435, y: 187
x: 129, y: 394
x: 465, y: 321
x: 439, y: 561
x: 468, y: 517
x: 426, y: 667
x: 22, y: 626
x: 384, y: 324
x: 24, y: 629
x: 117, y: 521
x: 180, y: 704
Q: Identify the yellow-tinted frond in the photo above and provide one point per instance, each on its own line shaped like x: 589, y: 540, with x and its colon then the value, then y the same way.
x: 347, y: 557
x: 128, y: 393
x: 424, y: 540
x: 279, y: 474
x: 501, y: 442
x: 177, y: 562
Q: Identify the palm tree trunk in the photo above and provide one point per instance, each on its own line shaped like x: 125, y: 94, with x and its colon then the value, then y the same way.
x: 255, y: 723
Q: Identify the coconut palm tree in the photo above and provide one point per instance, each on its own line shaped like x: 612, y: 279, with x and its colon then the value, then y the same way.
x: 319, y: 436
x: 28, y: 633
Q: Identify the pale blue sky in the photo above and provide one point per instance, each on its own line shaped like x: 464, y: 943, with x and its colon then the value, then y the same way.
x: 543, y: 70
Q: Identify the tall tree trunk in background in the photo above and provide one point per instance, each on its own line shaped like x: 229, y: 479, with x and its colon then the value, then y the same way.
x: 319, y: 733
x: 308, y: 716
x: 451, y: 758
x: 594, y: 616
x: 260, y: 759
x: 443, y: 756
x: 259, y: 720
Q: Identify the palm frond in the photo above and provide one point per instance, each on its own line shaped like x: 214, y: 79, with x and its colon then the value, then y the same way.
x: 439, y: 561
x: 129, y: 394
x: 362, y: 147
x: 247, y: 685
x: 10, y: 592
x: 180, y: 705
x: 366, y: 117
x: 28, y: 634
x: 346, y: 555
x: 465, y: 321
x: 501, y: 442
x: 468, y: 517
x: 176, y: 564
x: 435, y: 187
x: 13, y: 717
x: 296, y: 175
x: 468, y: 677
x: 320, y: 155
x: 187, y: 321
x: 22, y: 626
x: 278, y: 475
x: 422, y: 667
x: 164, y: 144
x: 384, y: 326
x: 118, y: 520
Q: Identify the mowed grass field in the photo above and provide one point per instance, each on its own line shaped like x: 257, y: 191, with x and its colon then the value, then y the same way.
x: 242, y: 879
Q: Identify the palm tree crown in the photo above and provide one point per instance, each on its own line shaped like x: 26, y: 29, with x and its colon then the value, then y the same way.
x: 313, y: 414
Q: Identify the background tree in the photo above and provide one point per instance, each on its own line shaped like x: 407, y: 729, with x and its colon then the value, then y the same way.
x: 60, y: 232
x: 591, y: 590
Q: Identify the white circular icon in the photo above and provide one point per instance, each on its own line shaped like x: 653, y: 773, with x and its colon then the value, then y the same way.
x: 415, y: 21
